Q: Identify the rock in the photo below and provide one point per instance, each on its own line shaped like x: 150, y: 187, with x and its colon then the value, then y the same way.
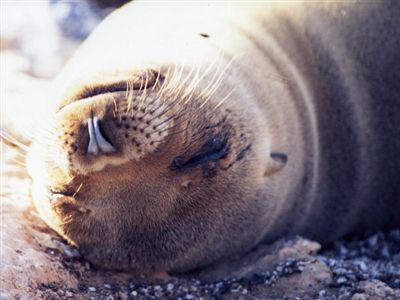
x: 299, y: 249
x: 25, y: 264
x: 375, y: 289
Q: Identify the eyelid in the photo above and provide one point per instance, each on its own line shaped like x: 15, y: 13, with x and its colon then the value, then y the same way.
x: 67, y: 193
x: 213, y: 150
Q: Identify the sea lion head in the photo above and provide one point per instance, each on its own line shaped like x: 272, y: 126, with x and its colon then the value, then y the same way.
x: 156, y: 169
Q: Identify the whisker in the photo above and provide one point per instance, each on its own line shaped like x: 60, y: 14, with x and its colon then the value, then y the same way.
x: 77, y: 190
x: 224, y: 99
x: 143, y: 95
x: 12, y: 141
x: 18, y: 162
x: 217, y: 84
x: 175, y: 117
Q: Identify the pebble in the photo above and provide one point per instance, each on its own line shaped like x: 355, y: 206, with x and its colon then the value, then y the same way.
x: 361, y: 265
x: 385, y: 252
x: 68, y: 294
x: 341, y: 280
x: 373, y: 240
x: 359, y: 296
x: 122, y: 296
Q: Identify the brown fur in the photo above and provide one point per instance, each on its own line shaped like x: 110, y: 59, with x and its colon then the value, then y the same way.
x: 239, y: 149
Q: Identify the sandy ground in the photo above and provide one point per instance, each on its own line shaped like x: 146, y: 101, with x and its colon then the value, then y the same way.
x: 37, y: 264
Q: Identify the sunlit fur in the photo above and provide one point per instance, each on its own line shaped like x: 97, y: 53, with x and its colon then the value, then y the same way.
x: 297, y: 95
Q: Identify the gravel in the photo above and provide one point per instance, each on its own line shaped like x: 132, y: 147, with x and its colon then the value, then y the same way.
x: 359, y: 268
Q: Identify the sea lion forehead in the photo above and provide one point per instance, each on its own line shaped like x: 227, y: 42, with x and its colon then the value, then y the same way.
x: 151, y: 38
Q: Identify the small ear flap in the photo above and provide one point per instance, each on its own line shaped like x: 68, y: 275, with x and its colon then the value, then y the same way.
x: 277, y: 162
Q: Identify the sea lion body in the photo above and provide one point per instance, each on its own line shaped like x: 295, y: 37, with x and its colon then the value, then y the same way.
x: 240, y: 123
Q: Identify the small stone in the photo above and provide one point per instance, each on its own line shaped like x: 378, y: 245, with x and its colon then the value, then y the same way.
x: 91, y: 289
x: 343, y: 250
x: 68, y: 294
x: 340, y: 271
x: 193, y: 289
x: 196, y: 282
x: 385, y: 252
x: 332, y: 262
x: 235, y: 287
x: 123, y: 296
x: 134, y: 293
x: 158, y: 294
x: 341, y: 280
x: 359, y: 296
x: 363, y: 267
x: 107, y: 286
x: 372, y: 241
x: 170, y: 286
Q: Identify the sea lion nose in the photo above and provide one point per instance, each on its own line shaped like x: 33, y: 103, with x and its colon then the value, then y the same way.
x: 97, y: 142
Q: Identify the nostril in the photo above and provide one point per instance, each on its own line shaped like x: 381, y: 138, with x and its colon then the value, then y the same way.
x: 102, y: 141
x: 93, y: 147
x: 97, y: 142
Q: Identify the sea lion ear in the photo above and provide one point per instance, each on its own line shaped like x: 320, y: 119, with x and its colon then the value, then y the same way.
x: 276, y: 163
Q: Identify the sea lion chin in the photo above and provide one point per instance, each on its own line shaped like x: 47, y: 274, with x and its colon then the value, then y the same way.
x: 174, y: 147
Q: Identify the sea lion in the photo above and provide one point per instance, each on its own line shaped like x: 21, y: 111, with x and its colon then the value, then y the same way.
x: 187, y: 134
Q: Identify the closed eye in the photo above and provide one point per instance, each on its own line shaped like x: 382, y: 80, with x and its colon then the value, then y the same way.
x: 67, y: 193
x: 213, y: 150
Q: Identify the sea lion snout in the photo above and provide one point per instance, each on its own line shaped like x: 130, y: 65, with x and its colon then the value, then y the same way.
x: 110, y: 129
